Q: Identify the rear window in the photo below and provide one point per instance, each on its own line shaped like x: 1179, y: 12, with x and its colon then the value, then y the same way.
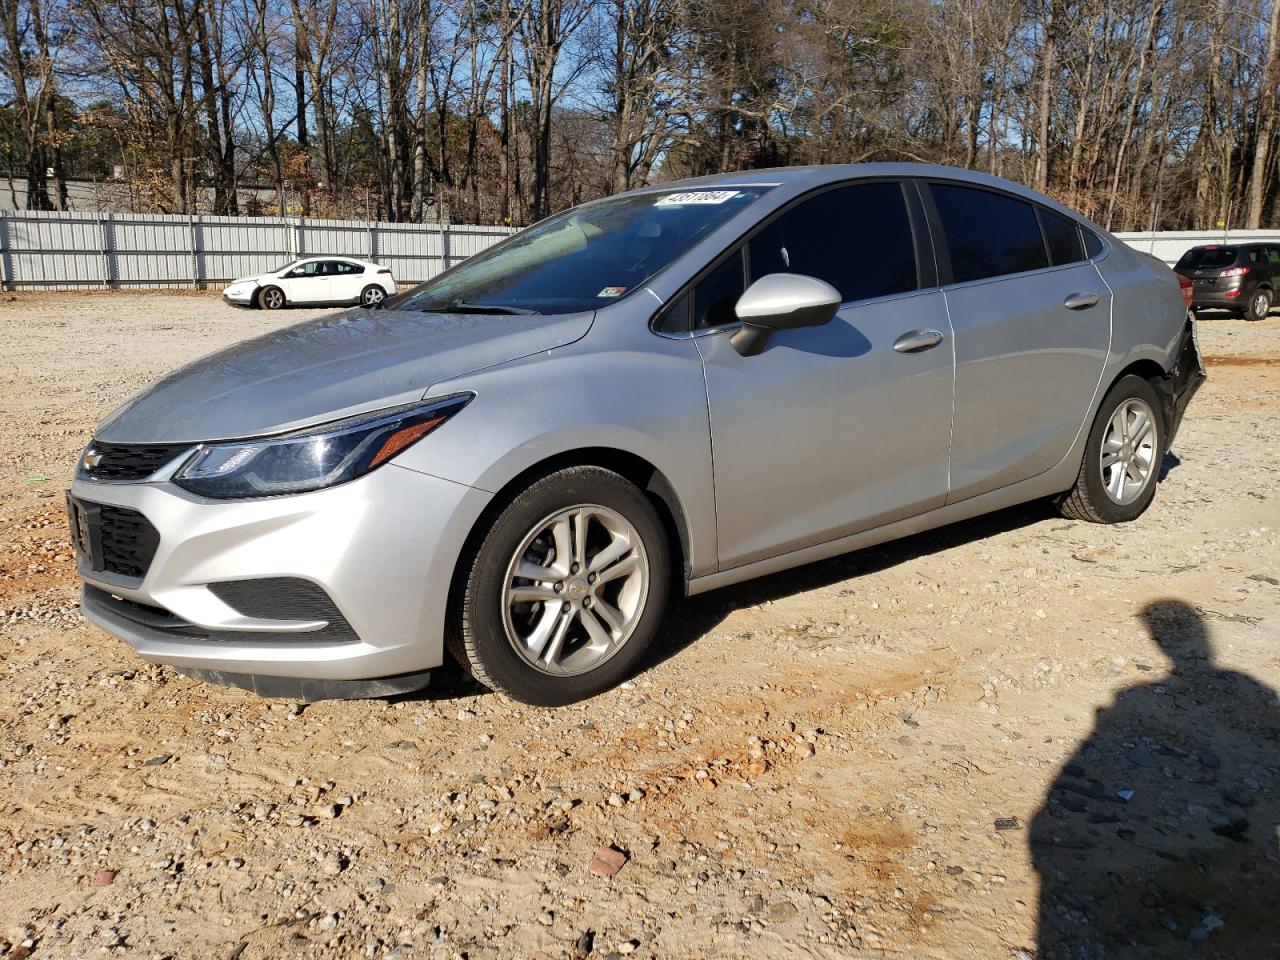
x: 1063, y: 238
x: 988, y: 234
x: 1208, y: 257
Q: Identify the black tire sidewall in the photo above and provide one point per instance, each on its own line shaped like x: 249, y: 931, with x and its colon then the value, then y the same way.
x: 1107, y: 509
x: 1252, y: 314
x: 481, y: 623
x: 262, y: 298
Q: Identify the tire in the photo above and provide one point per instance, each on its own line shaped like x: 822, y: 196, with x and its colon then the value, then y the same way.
x: 489, y: 613
x: 372, y: 295
x: 1094, y: 496
x: 271, y: 298
x: 1259, y: 305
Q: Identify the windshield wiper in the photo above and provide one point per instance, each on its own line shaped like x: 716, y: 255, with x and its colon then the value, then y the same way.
x: 464, y: 306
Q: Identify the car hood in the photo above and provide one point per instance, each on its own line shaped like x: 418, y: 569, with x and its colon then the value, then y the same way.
x: 258, y: 279
x: 328, y: 368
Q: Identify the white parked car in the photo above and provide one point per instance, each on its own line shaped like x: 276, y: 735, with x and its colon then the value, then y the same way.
x: 314, y: 281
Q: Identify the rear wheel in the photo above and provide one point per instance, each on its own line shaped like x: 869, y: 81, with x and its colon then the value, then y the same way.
x: 565, y: 591
x: 1117, y: 480
x: 271, y: 298
x: 372, y: 295
x: 1259, y: 305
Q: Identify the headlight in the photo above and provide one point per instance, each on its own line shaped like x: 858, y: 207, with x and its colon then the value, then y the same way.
x: 313, y: 458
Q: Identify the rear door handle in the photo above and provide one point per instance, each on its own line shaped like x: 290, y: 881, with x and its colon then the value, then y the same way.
x: 1080, y: 301
x: 916, y: 340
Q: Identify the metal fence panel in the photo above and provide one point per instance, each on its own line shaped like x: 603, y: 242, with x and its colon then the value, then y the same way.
x: 61, y: 251
x: 1169, y: 245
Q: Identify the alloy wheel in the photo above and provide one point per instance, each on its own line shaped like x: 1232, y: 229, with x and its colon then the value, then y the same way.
x: 1261, y: 304
x: 272, y: 299
x: 575, y: 590
x: 1128, y: 459
x: 374, y: 295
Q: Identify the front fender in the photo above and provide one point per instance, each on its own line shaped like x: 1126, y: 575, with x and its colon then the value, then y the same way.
x: 648, y: 403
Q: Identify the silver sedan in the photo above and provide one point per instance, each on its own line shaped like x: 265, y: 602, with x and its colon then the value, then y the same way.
x: 656, y: 394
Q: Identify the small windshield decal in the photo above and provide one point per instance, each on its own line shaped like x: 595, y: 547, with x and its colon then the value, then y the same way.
x: 697, y: 196
x: 612, y: 292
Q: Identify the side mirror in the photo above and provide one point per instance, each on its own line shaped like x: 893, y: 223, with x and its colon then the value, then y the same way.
x: 781, y: 301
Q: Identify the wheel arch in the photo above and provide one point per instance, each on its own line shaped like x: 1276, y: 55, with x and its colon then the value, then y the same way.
x: 646, y: 476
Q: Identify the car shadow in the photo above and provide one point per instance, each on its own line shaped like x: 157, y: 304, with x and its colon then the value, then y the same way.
x: 690, y: 619
x: 1158, y: 837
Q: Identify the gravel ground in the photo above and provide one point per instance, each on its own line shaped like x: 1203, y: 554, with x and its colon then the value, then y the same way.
x: 1015, y: 737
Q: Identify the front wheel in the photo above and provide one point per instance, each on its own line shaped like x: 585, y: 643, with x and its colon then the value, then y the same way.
x: 372, y: 295
x: 564, y: 591
x: 1117, y: 480
x: 1259, y: 305
x: 271, y: 298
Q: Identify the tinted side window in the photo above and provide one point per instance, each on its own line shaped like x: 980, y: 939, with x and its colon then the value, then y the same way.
x: 1063, y: 238
x: 1273, y: 254
x: 348, y: 268
x: 1092, y: 244
x: 717, y: 293
x: 857, y: 238
x: 989, y: 234
x: 1255, y: 255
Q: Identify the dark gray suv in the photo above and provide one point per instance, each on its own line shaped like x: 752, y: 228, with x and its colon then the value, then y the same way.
x: 1241, y: 278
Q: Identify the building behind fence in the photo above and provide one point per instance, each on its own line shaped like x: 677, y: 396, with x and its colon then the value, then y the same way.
x: 73, y: 250
x: 68, y: 251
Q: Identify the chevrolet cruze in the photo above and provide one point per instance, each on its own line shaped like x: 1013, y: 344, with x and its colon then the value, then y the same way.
x: 656, y: 394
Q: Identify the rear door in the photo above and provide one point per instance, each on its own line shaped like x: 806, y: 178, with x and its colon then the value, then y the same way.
x: 346, y: 280
x: 1032, y: 322
x: 830, y: 430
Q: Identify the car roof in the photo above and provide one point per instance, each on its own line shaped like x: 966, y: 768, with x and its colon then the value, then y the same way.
x: 818, y: 175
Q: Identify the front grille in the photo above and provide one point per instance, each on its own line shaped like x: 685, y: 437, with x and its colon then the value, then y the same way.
x: 127, y: 461
x: 129, y: 541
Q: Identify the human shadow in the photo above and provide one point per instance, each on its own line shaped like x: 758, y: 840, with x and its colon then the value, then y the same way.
x: 1158, y: 838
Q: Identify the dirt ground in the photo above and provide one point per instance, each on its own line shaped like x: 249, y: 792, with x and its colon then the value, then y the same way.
x: 1016, y: 737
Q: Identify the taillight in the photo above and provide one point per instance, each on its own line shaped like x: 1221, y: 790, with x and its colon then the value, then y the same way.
x: 1233, y: 272
x: 386, y: 271
x: 1185, y: 286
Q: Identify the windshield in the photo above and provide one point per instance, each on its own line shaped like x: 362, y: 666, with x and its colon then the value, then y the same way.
x: 283, y: 267
x: 1208, y: 257
x: 584, y: 258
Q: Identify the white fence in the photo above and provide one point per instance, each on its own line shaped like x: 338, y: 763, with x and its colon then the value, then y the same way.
x: 1169, y: 245
x: 66, y: 251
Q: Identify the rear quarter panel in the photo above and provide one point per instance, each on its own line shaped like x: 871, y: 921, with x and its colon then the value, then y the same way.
x: 1148, y: 311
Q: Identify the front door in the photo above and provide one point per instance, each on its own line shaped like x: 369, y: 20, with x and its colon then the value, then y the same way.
x: 830, y: 430
x: 308, y: 282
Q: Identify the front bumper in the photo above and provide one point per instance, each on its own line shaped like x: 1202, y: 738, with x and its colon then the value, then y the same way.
x: 383, y: 548
x: 241, y: 299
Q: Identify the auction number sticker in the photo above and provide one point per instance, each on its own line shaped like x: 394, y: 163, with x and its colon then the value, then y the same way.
x: 612, y: 292
x: 697, y: 196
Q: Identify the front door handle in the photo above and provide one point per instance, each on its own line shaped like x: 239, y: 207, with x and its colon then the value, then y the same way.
x: 916, y: 340
x: 1080, y: 301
